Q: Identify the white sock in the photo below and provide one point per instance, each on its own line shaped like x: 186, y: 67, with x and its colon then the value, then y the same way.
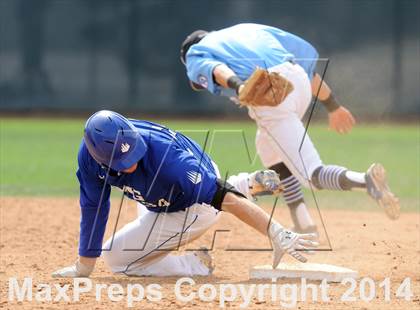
x: 302, y: 216
x: 358, y: 177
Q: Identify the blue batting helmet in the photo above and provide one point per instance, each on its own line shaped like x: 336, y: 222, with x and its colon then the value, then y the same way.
x: 113, y: 141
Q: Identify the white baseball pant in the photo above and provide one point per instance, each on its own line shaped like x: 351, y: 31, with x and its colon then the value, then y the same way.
x: 143, y: 247
x: 281, y: 135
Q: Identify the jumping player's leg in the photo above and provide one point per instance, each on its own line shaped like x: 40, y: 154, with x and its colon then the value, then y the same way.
x: 281, y: 146
x: 293, y: 196
x: 373, y: 182
x: 143, y: 247
x: 276, y: 143
x: 338, y: 178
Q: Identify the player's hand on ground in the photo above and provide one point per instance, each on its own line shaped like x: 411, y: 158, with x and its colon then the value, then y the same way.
x: 341, y: 120
x: 287, y: 241
x: 77, y: 270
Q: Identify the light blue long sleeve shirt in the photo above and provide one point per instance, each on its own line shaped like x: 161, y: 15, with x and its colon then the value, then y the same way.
x: 244, y: 47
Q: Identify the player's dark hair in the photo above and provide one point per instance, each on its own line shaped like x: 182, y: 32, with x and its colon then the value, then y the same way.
x: 192, y: 39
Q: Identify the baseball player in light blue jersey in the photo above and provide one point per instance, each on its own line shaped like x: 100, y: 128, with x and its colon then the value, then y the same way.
x: 179, y: 186
x: 221, y: 61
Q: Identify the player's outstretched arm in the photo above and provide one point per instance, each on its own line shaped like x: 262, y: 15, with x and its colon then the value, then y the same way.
x: 340, y: 119
x: 283, y: 240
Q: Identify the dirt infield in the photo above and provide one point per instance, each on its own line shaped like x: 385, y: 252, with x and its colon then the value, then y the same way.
x: 38, y: 235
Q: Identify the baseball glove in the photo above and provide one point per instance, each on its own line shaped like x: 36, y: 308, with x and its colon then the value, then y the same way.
x: 264, y: 88
x: 264, y: 182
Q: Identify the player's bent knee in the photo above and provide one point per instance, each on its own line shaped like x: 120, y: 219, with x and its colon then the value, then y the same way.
x: 113, y: 256
x: 114, y: 261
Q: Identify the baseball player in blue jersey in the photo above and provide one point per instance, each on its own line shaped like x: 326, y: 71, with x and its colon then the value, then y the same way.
x: 229, y: 61
x: 179, y: 186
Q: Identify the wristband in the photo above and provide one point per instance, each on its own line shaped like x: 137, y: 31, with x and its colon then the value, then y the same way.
x: 331, y: 104
x: 234, y: 82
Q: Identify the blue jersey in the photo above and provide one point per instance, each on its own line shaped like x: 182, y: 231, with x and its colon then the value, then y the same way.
x: 244, y: 47
x: 174, y: 174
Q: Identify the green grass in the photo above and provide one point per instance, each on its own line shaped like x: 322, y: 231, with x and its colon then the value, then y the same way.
x: 38, y: 156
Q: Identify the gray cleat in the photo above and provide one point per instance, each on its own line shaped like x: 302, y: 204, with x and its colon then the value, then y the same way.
x: 377, y: 188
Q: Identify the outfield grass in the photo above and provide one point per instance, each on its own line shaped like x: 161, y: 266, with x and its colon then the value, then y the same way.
x: 38, y: 156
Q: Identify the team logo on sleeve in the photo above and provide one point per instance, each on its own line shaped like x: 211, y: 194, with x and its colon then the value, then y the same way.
x: 194, y: 176
x: 202, y: 80
x: 125, y: 147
